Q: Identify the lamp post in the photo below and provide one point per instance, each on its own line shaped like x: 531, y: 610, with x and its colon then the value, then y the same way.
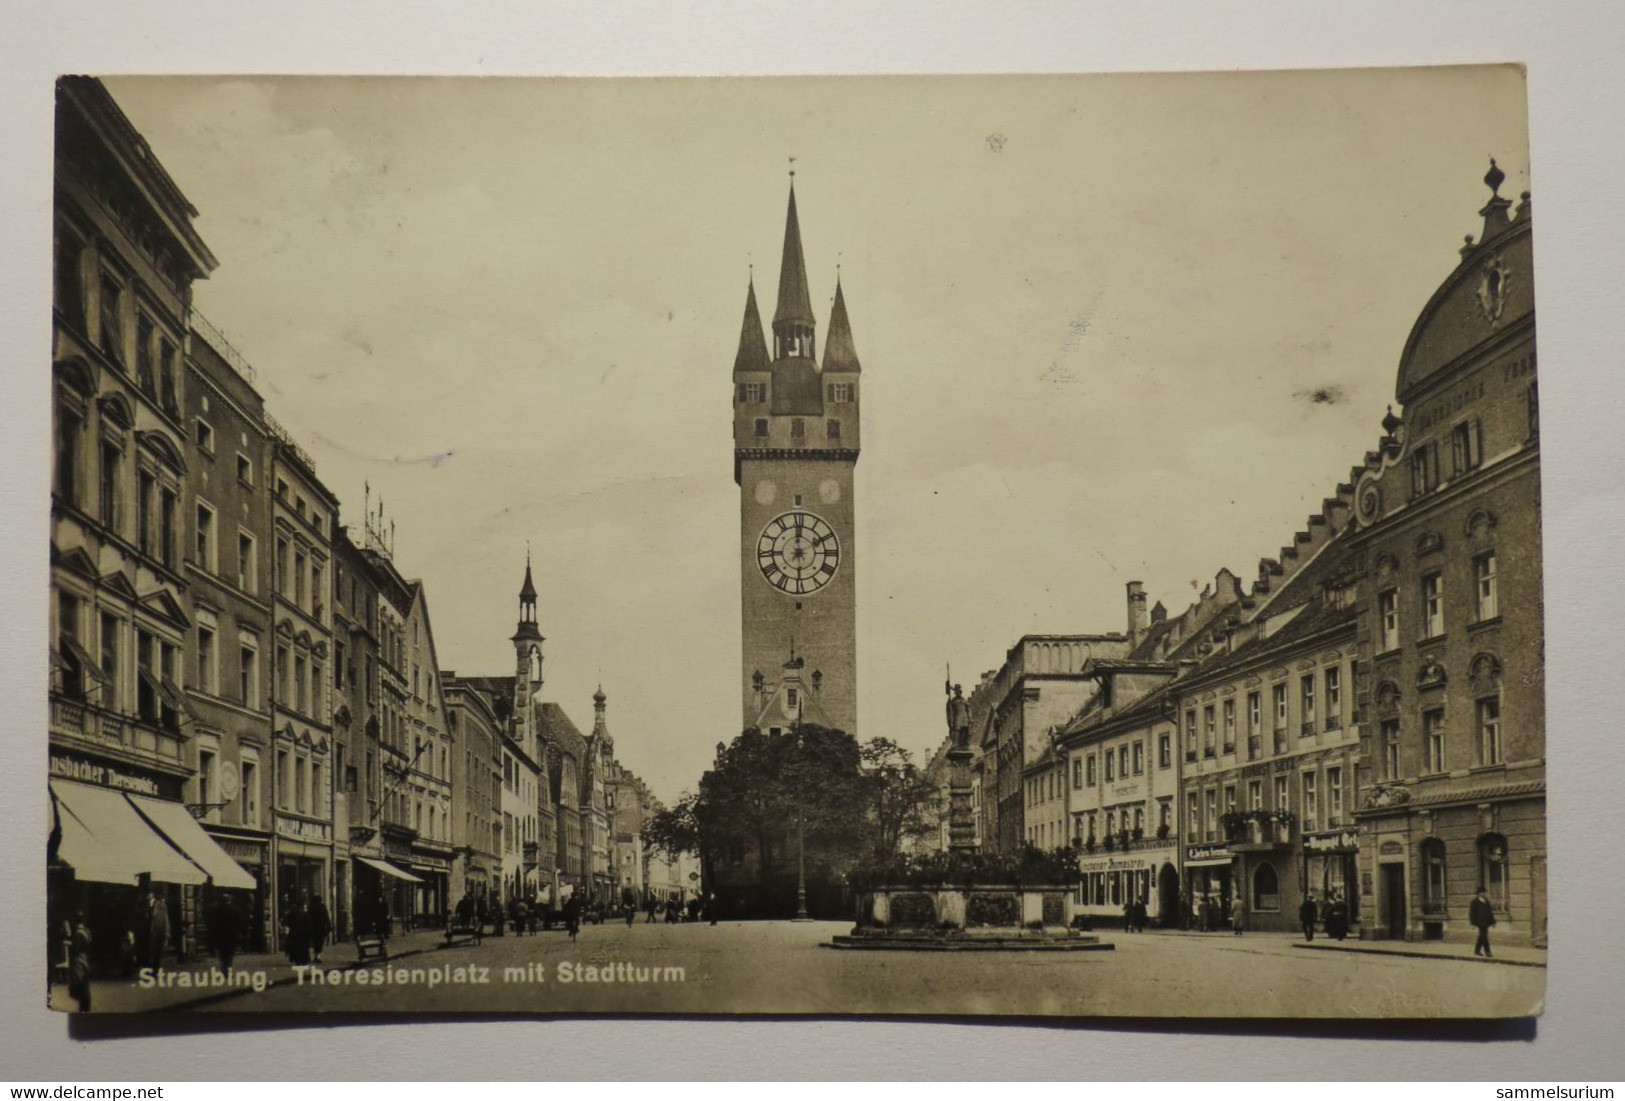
x: 801, y: 841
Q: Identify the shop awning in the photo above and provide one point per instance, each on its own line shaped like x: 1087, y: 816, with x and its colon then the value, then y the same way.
x: 104, y: 840
x: 176, y: 823
x: 389, y: 869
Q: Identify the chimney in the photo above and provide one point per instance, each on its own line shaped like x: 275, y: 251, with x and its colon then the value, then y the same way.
x: 1136, y: 612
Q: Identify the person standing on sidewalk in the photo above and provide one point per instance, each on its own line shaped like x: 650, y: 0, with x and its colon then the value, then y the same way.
x: 79, y: 962
x: 1482, y: 915
x: 1307, y: 915
x: 227, y: 929
x: 1238, y: 916
x: 321, y: 924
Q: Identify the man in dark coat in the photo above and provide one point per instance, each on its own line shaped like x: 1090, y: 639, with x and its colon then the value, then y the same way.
x: 572, y: 914
x: 228, y: 928
x: 1481, y: 914
x: 321, y: 924
x: 1307, y: 913
x: 79, y: 961
x: 296, y: 931
x: 157, y: 928
x: 1337, y: 922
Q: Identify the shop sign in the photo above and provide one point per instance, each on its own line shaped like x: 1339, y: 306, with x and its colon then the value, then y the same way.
x: 1341, y: 841
x: 302, y: 828
x: 1113, y: 864
x: 88, y: 772
x: 1216, y: 851
x: 1392, y: 848
x: 243, y: 852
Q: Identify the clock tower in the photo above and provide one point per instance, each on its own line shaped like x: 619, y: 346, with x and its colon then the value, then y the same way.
x: 795, y: 448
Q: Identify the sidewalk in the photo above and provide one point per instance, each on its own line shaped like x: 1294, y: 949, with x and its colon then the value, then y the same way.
x: 127, y: 995
x: 1516, y: 955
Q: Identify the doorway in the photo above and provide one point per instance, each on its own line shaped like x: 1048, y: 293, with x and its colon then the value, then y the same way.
x: 1393, y: 900
x: 1168, y: 897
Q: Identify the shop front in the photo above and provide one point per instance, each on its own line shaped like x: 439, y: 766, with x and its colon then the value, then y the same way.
x: 252, y: 855
x: 1112, y: 880
x: 381, y: 887
x: 1208, y: 873
x: 429, y: 895
x: 1331, y: 871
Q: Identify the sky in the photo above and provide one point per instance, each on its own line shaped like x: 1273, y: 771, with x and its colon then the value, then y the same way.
x: 1112, y: 328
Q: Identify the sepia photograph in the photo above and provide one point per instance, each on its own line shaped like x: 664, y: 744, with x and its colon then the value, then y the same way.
x: 466, y: 595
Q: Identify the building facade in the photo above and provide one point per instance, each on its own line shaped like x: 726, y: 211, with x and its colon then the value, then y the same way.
x: 796, y: 441
x: 121, y: 754
x: 475, y: 733
x: 227, y: 512
x: 302, y: 515
x: 1448, y: 512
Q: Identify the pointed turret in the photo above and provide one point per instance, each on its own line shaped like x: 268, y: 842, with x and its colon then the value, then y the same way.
x: 752, y: 355
x: 527, y: 607
x: 600, y: 728
x: 840, y: 353
x: 793, y: 320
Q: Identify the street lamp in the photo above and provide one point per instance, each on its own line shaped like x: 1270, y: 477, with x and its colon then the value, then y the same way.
x: 801, y: 842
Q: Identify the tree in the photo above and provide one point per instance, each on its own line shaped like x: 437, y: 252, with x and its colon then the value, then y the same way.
x: 675, y: 830
x: 901, y: 797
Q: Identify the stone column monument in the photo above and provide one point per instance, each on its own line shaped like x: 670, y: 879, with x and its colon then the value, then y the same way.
x: 961, y: 814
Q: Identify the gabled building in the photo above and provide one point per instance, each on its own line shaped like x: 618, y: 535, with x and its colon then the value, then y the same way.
x: 1450, y: 621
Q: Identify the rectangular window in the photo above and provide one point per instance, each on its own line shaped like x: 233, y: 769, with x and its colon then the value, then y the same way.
x: 1390, y: 749
x: 1306, y: 704
x: 301, y: 785
x: 109, y: 657
x: 1485, y: 590
x: 1209, y: 732
x: 1424, y: 468
x: 761, y: 428
x: 1089, y: 768
x: 1077, y: 773
x: 245, y: 469
x: 1190, y: 735
x: 798, y: 428
x: 1489, y: 731
x: 284, y: 780
x: 1229, y: 710
x: 247, y: 678
x: 247, y: 567
x: 166, y: 527
x: 299, y: 579
x: 112, y: 460
x: 1311, y: 805
x: 318, y: 590
x: 1388, y: 621
x: 69, y: 427
x: 1432, y: 605
x: 842, y: 392
x: 1210, y: 823
x: 834, y: 429
x: 205, y: 548
x: 166, y: 377
x: 145, y: 372
x: 1334, y: 697
x: 1165, y: 751
x: 205, y: 436
x: 1334, y: 797
x: 1433, y: 740
x: 251, y: 792
x: 1282, y: 796
x: 205, y: 780
x: 1255, y: 795
x: 112, y: 333
x: 1111, y: 766
x: 1465, y: 447
x: 1122, y: 761
x: 755, y: 392
x: 1139, y: 758
x: 206, y: 659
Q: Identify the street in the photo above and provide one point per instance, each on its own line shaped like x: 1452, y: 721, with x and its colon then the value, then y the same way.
x: 784, y: 967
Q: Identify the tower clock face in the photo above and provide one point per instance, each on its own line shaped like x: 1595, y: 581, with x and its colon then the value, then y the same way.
x: 798, y: 553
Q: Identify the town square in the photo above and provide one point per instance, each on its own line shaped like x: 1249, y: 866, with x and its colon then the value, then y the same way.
x: 1176, y: 649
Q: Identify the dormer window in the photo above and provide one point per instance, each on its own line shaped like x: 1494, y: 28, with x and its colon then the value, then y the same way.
x: 753, y: 393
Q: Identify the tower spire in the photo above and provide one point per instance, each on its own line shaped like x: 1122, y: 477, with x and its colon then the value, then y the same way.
x: 793, y: 319
x: 752, y: 354
x: 840, y: 353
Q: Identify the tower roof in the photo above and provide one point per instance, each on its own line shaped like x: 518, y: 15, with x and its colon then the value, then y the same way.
x: 795, y: 304
x: 840, y: 354
x: 752, y: 354
x: 528, y: 590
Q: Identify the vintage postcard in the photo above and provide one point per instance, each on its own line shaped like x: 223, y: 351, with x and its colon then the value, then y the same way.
x: 466, y: 592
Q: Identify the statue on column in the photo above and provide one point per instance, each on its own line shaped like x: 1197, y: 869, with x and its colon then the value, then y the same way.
x: 958, y: 715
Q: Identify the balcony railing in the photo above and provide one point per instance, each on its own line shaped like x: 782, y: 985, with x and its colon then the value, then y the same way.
x: 215, y: 339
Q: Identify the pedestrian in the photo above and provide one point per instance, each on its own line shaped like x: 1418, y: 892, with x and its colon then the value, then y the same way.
x: 521, y: 916
x: 296, y: 931
x: 711, y: 906
x: 651, y: 905
x: 572, y: 915
x: 79, y: 962
x: 1481, y: 914
x: 321, y: 924
x: 1238, y: 916
x: 1340, y: 917
x: 1202, y: 908
x: 228, y: 928
x: 1128, y: 915
x: 157, y: 928
x: 1307, y: 915
x: 1184, y: 913
x: 1142, y: 914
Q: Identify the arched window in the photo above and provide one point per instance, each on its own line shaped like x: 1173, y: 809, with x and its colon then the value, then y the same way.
x: 1492, y: 869
x: 1266, y: 887
x: 1434, y: 883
